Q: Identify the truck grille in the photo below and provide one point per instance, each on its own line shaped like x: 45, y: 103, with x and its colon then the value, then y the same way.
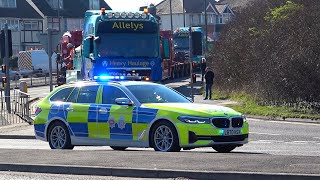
x: 221, y: 122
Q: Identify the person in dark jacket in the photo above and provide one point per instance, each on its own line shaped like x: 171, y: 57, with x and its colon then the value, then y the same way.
x: 203, y: 67
x: 209, y: 76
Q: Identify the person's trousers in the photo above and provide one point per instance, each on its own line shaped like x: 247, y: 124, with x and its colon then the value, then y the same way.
x: 202, y: 75
x: 208, y: 90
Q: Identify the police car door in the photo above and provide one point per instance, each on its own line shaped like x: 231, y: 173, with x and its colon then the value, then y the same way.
x: 82, y: 112
x: 115, y: 121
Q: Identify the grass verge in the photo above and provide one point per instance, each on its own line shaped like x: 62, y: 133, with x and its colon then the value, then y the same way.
x: 250, y: 105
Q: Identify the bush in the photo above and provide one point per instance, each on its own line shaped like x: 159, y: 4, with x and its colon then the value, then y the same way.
x: 271, y: 50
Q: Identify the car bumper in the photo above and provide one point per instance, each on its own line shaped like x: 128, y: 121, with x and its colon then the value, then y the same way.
x: 207, y: 135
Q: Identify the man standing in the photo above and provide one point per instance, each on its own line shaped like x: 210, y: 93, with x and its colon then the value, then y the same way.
x: 203, y: 67
x: 209, y: 76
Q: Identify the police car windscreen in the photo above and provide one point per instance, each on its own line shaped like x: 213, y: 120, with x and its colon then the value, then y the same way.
x: 156, y: 94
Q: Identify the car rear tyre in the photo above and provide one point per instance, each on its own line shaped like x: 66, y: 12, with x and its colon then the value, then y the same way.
x: 59, y: 136
x: 117, y: 148
x: 224, y: 148
x: 164, y: 137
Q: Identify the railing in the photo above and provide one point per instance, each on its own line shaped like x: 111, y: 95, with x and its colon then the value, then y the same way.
x: 33, y: 80
x: 15, y: 109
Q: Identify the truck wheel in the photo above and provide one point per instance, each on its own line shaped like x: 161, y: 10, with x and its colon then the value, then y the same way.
x: 118, y: 148
x: 224, y: 148
x: 59, y: 137
x: 164, y: 137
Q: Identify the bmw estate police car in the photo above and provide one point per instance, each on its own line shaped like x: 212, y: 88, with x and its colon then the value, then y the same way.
x: 135, y: 114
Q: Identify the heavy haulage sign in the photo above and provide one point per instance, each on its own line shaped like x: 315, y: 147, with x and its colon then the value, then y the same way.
x: 128, y: 63
x: 127, y: 27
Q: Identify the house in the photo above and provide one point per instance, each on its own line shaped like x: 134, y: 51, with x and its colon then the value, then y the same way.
x: 192, y: 13
x: 26, y: 18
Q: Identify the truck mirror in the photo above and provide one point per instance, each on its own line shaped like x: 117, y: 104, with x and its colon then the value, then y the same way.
x: 88, y: 46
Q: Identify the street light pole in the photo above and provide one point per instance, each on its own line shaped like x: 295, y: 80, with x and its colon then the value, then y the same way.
x: 184, y: 14
x: 6, y: 60
x: 171, y: 15
x: 206, y: 26
x: 50, y: 55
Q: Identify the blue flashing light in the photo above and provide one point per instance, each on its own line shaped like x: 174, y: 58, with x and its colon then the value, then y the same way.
x: 122, y: 77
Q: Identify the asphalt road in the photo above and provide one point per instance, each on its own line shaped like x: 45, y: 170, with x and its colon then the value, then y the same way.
x: 274, y: 147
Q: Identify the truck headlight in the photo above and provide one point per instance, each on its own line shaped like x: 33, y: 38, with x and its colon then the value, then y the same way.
x: 194, y: 120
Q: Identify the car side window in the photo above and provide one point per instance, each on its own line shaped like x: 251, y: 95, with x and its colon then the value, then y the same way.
x: 111, y: 93
x: 62, y: 95
x: 87, y: 94
x: 73, y: 96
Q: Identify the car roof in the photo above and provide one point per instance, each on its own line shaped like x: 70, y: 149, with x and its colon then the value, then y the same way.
x: 124, y: 83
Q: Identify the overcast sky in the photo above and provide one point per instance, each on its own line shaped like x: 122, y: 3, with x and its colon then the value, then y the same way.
x: 127, y: 5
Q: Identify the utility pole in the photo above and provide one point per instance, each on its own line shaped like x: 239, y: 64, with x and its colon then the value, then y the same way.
x: 206, y: 27
x: 184, y: 14
x: 50, y: 55
x: 6, y: 59
x: 171, y: 15
x: 190, y: 58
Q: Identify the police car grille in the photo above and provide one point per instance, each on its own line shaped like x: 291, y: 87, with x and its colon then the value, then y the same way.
x: 221, y: 122
x: 237, y: 122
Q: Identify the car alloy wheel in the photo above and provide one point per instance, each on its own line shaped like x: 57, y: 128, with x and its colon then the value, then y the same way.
x: 165, y: 138
x: 59, y: 137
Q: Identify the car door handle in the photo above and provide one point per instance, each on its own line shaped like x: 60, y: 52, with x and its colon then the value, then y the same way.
x: 103, y: 111
x: 69, y: 109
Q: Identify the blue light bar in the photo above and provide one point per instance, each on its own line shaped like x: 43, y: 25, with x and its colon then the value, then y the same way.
x: 107, y: 77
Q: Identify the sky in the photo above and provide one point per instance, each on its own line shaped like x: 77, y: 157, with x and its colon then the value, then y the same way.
x: 127, y: 5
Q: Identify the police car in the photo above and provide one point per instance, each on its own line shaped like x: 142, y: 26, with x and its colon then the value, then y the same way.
x: 123, y: 114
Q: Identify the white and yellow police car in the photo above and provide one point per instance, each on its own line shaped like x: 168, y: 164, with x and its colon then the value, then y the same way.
x: 123, y: 114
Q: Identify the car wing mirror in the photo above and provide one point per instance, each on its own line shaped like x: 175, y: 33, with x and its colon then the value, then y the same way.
x: 124, y: 101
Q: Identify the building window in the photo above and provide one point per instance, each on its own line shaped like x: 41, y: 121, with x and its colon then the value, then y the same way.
x: 74, y: 24
x: 94, y: 4
x: 32, y: 25
x: 8, y: 3
x: 54, y: 23
x: 55, y: 4
x: 12, y: 24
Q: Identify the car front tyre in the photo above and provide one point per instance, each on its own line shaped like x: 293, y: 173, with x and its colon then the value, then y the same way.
x: 224, y: 148
x: 59, y: 136
x: 164, y: 137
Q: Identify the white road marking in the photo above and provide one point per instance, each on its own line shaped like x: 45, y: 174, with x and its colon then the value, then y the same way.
x: 284, y: 122
x: 301, y: 142
x: 266, y: 141
x: 270, y: 134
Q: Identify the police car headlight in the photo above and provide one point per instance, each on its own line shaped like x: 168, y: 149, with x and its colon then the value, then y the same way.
x: 244, y: 118
x: 194, y: 120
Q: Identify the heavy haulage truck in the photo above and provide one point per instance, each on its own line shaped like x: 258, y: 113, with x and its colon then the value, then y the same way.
x: 125, y: 45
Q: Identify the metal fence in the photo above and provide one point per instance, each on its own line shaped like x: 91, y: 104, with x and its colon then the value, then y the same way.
x: 15, y: 108
x: 33, y: 80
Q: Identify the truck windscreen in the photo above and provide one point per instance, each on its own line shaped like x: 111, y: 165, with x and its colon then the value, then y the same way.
x: 128, y: 45
x: 181, y: 42
x: 128, y: 39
